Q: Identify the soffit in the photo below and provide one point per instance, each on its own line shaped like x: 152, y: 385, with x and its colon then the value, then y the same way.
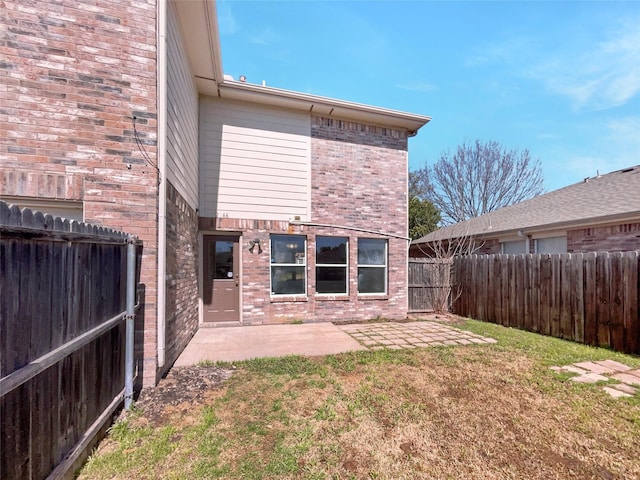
x: 199, y: 26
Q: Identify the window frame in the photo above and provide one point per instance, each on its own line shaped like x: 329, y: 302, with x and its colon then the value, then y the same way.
x: 298, y: 256
x: 384, y: 266
x: 345, y: 266
x: 504, y: 247
x: 561, y: 238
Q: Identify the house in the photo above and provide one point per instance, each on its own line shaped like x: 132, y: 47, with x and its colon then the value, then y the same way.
x: 255, y: 204
x: 601, y: 213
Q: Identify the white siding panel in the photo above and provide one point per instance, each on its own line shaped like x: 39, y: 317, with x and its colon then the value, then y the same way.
x: 182, y: 116
x: 254, y: 161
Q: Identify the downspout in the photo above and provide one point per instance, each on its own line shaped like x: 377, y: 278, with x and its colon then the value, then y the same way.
x: 162, y: 167
x: 406, y: 219
x: 130, y: 318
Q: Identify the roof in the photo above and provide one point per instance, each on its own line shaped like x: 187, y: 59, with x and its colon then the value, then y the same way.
x: 321, y: 106
x: 613, y: 197
x: 199, y: 26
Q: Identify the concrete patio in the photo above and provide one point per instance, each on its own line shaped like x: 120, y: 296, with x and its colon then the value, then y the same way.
x: 231, y: 344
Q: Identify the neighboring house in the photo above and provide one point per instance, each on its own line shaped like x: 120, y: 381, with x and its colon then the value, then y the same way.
x: 598, y: 214
x: 255, y: 204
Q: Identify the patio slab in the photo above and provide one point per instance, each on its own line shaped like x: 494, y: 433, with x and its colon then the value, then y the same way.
x: 231, y: 344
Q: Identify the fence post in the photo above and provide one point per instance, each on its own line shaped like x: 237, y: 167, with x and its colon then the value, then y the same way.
x: 130, y: 321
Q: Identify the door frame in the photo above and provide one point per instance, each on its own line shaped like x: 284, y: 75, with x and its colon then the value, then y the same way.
x: 213, y: 233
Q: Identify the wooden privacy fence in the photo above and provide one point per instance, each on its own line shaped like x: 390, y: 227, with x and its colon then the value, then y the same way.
x: 429, y: 284
x: 590, y: 298
x: 62, y: 338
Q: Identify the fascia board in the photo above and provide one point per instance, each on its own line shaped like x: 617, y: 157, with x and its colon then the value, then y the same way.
x: 199, y: 26
x: 322, y: 106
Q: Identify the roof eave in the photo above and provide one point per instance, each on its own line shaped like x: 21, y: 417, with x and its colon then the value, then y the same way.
x: 321, y: 106
x: 532, y: 230
x: 199, y: 24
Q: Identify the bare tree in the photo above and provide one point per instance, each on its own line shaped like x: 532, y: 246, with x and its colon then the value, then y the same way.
x: 441, y: 253
x: 477, y: 179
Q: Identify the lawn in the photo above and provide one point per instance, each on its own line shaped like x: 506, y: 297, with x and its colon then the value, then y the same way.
x: 465, y: 412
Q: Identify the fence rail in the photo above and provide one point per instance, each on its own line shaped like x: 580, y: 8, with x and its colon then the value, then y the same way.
x: 62, y: 339
x: 591, y: 298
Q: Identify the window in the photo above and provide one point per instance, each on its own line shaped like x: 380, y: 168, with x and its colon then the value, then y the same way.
x: 372, y: 265
x: 288, y: 265
x: 551, y: 245
x: 331, y: 265
x: 517, y: 247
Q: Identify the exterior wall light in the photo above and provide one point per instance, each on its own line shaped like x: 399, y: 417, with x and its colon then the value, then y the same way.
x: 253, y: 244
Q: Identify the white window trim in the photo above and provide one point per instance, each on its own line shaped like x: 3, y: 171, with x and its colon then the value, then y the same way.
x: 304, y: 265
x: 385, y: 266
x: 536, y: 240
x: 333, y: 265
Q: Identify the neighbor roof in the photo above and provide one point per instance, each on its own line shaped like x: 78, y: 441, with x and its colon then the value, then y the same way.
x: 602, y: 199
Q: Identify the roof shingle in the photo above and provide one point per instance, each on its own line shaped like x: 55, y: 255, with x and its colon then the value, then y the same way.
x: 593, y: 200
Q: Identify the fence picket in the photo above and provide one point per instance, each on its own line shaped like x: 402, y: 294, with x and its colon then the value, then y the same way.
x: 591, y: 298
x: 56, y: 283
x: 603, y: 278
x: 631, y: 296
x: 616, y: 321
x: 577, y: 296
x: 566, y: 282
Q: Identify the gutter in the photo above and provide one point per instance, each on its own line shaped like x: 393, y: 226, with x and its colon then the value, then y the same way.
x: 162, y: 187
x: 321, y: 106
x: 345, y: 227
x: 632, y: 217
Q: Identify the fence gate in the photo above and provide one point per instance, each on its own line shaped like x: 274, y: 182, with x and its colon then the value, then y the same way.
x: 429, y: 284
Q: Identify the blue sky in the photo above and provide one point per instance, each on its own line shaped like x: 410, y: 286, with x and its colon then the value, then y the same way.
x: 561, y: 79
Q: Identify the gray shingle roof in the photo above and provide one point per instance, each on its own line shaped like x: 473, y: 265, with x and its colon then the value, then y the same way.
x: 594, y: 200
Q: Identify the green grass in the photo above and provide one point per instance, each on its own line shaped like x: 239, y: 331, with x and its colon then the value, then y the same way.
x: 547, y: 350
x: 475, y: 411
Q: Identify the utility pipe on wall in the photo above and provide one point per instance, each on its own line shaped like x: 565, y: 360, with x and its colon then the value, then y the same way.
x: 162, y: 187
x: 347, y: 227
x: 130, y: 321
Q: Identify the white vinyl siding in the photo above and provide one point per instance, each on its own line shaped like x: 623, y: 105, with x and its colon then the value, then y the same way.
x: 182, y: 116
x: 255, y: 161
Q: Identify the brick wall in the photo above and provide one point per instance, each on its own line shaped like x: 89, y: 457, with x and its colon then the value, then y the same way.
x: 181, y: 309
x: 359, y: 175
x: 489, y: 246
x: 478, y: 246
x: 614, y: 238
x: 359, y: 179
x: 73, y: 76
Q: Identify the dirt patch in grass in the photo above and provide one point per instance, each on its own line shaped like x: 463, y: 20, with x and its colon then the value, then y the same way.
x: 183, y: 388
x: 476, y: 411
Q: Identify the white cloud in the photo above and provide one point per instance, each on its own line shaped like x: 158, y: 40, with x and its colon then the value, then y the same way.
x: 595, y: 68
x: 267, y: 36
x: 226, y: 21
x: 623, y: 137
x: 599, y: 76
x: 422, y: 87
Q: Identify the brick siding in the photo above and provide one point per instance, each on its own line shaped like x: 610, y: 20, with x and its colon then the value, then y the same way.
x: 359, y: 180
x: 489, y: 246
x: 181, y: 308
x: 614, y: 238
x: 73, y: 76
